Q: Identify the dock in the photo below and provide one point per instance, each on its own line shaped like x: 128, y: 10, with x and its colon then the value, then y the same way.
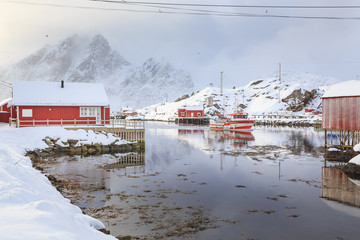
x: 193, y: 120
x: 124, y: 129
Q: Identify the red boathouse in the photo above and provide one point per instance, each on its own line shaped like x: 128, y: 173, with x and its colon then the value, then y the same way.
x: 193, y: 112
x: 192, y: 115
x: 341, y: 112
x: 59, y: 103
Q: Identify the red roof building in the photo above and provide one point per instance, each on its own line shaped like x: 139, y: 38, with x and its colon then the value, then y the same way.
x: 341, y: 107
x: 191, y: 112
x: 341, y: 113
x: 5, y: 110
x: 55, y: 103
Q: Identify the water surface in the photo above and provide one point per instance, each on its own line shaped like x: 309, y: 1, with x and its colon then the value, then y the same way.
x: 193, y: 183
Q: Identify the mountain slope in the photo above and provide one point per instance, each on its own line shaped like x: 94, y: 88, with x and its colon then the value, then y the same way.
x: 83, y: 59
x: 297, y: 91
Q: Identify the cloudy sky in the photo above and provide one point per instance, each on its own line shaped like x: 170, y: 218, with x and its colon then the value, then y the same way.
x: 243, y: 47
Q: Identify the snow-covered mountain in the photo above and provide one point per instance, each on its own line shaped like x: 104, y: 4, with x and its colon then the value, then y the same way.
x: 83, y: 59
x: 296, y: 90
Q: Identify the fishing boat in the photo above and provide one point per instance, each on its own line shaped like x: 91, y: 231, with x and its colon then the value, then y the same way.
x: 236, y: 122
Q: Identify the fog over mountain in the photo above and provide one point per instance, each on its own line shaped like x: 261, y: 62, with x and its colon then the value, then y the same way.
x: 83, y: 59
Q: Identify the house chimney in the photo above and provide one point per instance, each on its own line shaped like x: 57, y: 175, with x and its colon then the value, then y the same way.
x: 62, y: 83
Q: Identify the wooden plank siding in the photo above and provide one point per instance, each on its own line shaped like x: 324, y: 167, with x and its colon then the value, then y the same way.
x: 59, y: 115
x: 341, y: 113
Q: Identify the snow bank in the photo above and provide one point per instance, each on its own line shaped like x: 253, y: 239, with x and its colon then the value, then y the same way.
x: 31, y: 208
x: 355, y: 160
x: 357, y: 148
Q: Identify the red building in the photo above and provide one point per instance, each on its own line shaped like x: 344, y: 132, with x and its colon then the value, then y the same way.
x: 5, y: 110
x: 341, y: 111
x: 55, y: 103
x: 341, y: 107
x: 192, y: 115
x: 191, y: 112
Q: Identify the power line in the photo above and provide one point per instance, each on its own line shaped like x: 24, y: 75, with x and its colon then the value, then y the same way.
x: 231, y: 5
x: 199, y: 12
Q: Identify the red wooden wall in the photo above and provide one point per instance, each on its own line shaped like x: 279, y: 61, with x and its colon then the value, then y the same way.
x: 5, y: 108
x: 187, y: 113
x: 341, y: 113
x: 4, y: 117
x: 195, y: 113
x: 181, y: 111
x: 55, y: 113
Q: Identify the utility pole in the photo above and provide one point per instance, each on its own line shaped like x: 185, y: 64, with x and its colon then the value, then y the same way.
x: 279, y: 80
x: 222, y: 92
x: 221, y: 83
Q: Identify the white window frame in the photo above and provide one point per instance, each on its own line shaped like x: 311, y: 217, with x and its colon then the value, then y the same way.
x: 199, y: 114
x: 182, y: 113
x: 26, y: 113
x: 88, y: 111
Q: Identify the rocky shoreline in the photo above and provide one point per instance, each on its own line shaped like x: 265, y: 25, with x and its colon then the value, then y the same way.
x: 72, y: 147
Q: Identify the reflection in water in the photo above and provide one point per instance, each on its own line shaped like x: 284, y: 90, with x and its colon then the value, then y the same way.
x: 130, y: 162
x: 197, y: 184
x: 337, y: 186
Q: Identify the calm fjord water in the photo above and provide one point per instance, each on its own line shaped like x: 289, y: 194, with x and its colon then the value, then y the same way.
x: 192, y: 183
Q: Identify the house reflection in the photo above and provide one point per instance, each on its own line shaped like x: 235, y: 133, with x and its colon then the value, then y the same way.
x: 182, y: 132
x: 336, y: 186
x: 128, y: 164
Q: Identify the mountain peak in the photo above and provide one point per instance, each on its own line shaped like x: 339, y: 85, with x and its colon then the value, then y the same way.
x: 99, y: 46
x: 84, y: 59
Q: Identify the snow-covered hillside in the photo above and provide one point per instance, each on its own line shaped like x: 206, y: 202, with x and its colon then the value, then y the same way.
x: 83, y: 59
x: 297, y: 91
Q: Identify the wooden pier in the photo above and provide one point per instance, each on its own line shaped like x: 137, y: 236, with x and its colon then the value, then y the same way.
x: 193, y: 120
x: 127, y: 130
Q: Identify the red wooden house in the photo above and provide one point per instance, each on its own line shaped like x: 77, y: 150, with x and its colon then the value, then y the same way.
x: 191, y: 112
x: 341, y: 111
x: 55, y: 103
x: 5, y: 110
x: 192, y: 115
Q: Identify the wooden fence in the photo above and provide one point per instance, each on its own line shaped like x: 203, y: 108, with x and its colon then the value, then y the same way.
x: 121, y: 123
x: 125, y: 129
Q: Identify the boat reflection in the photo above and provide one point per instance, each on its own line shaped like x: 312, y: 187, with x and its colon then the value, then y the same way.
x: 236, y: 139
x: 337, y: 186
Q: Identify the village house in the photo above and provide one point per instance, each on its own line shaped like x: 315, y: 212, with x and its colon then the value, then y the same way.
x: 5, y: 110
x: 126, y: 111
x: 59, y: 103
x: 341, y: 113
x: 192, y: 115
x: 193, y: 112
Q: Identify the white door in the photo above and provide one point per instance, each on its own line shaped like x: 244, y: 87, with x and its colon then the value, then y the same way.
x: 98, y: 115
x: 192, y: 114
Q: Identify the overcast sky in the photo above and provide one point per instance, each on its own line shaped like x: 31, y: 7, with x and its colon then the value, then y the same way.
x: 244, y: 48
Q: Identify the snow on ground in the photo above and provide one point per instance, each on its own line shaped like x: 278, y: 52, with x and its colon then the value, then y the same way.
x: 31, y: 208
x: 357, y: 148
x: 355, y: 160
